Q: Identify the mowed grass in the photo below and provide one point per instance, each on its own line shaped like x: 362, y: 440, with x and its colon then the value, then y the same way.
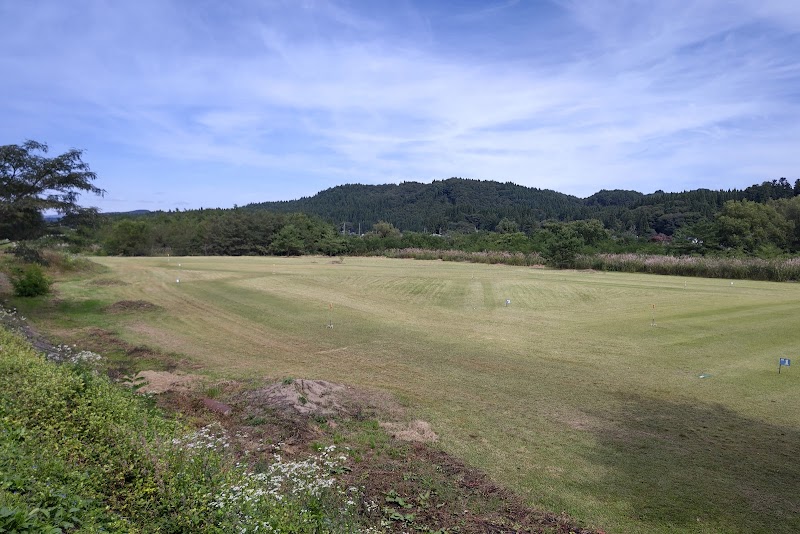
x: 569, y: 396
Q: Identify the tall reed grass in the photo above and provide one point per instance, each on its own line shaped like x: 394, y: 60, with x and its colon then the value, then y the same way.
x: 508, y: 258
x: 774, y: 270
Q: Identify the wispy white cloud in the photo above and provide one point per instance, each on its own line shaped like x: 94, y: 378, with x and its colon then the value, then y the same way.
x: 644, y: 95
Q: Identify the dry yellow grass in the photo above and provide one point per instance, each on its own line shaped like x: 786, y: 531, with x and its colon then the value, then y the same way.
x: 568, y: 395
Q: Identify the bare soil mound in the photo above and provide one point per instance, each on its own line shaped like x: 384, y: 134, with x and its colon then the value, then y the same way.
x: 322, y: 398
x: 302, y: 397
x: 124, y: 306
x: 317, y: 397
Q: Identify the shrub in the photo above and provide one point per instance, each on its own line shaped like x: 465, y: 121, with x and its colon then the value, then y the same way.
x: 30, y: 281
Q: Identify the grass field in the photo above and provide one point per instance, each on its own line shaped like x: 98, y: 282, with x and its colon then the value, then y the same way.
x: 570, y: 395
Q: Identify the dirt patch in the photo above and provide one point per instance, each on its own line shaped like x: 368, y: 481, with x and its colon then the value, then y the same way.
x: 105, y: 341
x: 416, y: 431
x: 444, y: 493
x: 217, y: 407
x: 123, y: 358
x: 124, y: 306
x: 163, y: 381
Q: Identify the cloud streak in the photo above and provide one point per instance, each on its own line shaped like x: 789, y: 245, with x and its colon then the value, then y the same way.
x: 285, y: 99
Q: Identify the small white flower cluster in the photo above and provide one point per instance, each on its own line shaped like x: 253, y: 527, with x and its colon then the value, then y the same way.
x: 294, y: 481
x: 307, y: 477
x: 370, y: 506
x: 66, y: 354
x: 85, y: 356
x: 11, y: 315
x: 258, y: 527
x: 211, y: 436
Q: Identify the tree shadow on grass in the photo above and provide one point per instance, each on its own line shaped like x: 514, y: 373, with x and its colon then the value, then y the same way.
x: 698, y: 467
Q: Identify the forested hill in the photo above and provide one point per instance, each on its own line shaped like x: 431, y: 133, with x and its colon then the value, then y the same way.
x: 460, y: 204
x: 439, y: 206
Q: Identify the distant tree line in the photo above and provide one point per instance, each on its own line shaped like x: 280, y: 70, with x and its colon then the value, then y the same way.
x: 739, y: 228
x: 218, y: 232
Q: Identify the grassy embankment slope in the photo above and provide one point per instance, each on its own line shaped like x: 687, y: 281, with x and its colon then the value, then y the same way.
x: 569, y: 395
x: 79, y: 454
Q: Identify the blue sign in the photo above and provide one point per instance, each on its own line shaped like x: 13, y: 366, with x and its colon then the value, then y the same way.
x: 785, y: 362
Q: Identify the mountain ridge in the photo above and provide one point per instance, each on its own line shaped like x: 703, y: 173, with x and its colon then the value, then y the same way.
x: 467, y: 205
x: 459, y: 204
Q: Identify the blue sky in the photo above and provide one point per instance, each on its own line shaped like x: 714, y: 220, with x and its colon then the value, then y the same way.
x: 199, y: 103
